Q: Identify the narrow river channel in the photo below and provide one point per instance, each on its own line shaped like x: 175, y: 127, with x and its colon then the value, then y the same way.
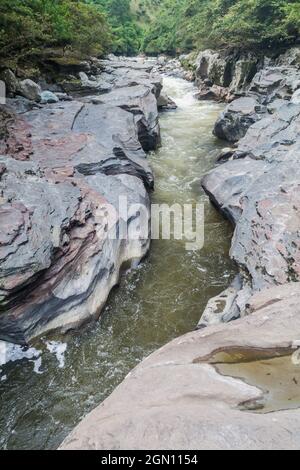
x: 44, y: 395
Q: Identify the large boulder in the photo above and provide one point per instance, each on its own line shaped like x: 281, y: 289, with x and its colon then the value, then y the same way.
x: 64, y: 236
x: 139, y: 100
x: 227, y: 387
x: 211, y: 65
x: 238, y: 116
x: 58, y: 261
x: 245, y: 68
x: 47, y: 97
x: 10, y: 81
x: 30, y: 90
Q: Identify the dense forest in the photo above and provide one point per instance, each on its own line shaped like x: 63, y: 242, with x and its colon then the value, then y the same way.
x: 182, y: 25
x: 27, y: 24
x: 151, y: 26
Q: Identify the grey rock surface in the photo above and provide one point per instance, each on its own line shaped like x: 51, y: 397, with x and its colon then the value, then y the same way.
x: 141, y: 102
x: 30, y: 90
x: 47, y: 97
x: 257, y: 188
x: 63, y: 167
x: 234, y: 71
x: 238, y: 116
x: 270, y: 89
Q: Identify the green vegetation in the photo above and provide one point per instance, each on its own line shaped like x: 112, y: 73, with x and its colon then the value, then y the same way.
x: 127, y: 33
x: 182, y: 25
x: 28, y: 24
x: 151, y: 26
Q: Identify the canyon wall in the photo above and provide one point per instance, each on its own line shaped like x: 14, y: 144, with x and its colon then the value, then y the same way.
x: 231, y: 384
x: 67, y: 153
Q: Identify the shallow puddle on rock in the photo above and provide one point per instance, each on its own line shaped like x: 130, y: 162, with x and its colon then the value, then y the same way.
x: 278, y: 378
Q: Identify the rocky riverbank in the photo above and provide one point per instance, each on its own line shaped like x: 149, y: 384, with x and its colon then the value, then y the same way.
x: 68, y: 151
x: 256, y: 184
x: 231, y: 385
x: 179, y: 399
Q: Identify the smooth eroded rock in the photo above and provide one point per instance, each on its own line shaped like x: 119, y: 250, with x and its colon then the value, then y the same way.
x: 30, y: 90
x: 47, y: 97
x: 178, y: 398
x: 64, y: 236
x: 238, y: 116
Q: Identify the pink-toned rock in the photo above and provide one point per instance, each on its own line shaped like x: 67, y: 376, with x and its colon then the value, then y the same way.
x: 178, y: 398
x: 62, y: 168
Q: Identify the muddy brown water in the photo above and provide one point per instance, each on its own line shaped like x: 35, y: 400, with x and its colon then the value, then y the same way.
x: 278, y: 378
x: 44, y: 392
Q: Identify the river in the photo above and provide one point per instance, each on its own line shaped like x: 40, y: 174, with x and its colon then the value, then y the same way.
x: 46, y: 391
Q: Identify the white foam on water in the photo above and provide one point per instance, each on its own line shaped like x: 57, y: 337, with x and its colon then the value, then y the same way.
x: 37, y: 366
x: 59, y: 350
x: 10, y: 352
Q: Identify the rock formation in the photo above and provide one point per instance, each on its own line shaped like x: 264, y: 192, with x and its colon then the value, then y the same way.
x: 222, y: 75
x: 185, y: 396
x: 231, y: 385
x: 63, y: 167
x: 257, y: 187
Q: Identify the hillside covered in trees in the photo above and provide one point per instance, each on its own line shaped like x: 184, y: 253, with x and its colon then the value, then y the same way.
x: 186, y: 24
x: 27, y: 24
x: 151, y: 26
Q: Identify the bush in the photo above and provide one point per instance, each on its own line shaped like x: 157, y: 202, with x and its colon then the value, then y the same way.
x: 127, y: 34
x: 26, y: 24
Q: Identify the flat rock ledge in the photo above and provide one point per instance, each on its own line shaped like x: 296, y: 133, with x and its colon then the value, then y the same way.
x: 63, y: 167
x: 179, y: 398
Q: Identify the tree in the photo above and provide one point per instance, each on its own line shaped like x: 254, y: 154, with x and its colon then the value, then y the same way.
x: 25, y: 24
x: 187, y: 24
x: 127, y: 35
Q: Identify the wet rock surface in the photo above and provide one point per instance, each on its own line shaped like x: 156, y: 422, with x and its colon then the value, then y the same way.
x: 63, y: 167
x: 270, y: 89
x: 237, y: 118
x: 179, y: 398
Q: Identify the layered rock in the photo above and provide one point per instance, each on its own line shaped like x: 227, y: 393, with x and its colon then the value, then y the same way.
x: 63, y: 235
x: 238, y: 116
x: 263, y: 94
x: 113, y: 73
x: 139, y: 101
x: 185, y: 396
x: 258, y: 188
